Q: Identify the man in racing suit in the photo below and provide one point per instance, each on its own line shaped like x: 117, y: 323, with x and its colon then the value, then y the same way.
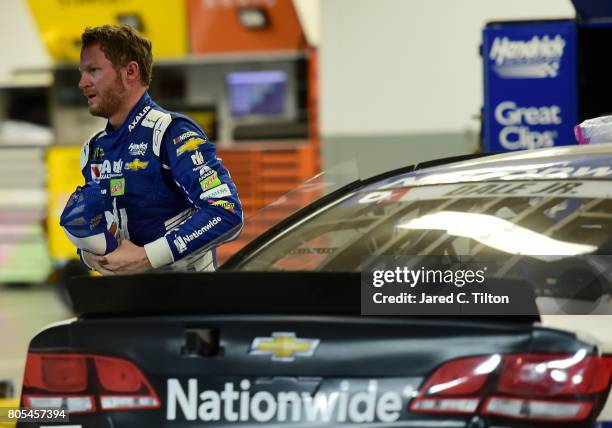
x: 169, y: 193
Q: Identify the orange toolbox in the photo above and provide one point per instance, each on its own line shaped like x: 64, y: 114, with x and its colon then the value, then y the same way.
x: 264, y: 172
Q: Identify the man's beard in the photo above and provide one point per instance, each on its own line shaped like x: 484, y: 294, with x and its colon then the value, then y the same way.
x: 110, y: 100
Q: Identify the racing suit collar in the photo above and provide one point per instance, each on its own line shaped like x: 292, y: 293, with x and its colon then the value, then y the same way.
x: 140, y: 105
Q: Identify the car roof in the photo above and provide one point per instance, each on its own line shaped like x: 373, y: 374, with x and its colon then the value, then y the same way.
x: 555, y: 163
x: 584, y: 162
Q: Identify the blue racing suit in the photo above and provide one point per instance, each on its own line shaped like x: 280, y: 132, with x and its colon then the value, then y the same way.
x: 168, y: 190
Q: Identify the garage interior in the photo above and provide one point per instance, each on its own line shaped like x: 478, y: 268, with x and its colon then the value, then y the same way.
x: 348, y: 83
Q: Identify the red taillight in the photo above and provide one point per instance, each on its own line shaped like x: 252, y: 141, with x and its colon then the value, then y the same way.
x: 83, y: 383
x: 553, y: 375
x: 461, y: 377
x: 544, y: 387
x: 118, y: 375
x: 451, y: 388
x: 64, y: 373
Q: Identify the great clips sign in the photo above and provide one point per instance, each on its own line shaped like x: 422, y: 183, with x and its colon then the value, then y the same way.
x: 530, y: 85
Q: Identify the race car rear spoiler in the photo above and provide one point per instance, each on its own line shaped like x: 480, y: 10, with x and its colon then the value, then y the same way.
x: 217, y: 293
x: 228, y: 293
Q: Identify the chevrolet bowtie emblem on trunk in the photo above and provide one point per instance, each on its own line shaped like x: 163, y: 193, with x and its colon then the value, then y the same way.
x: 283, y: 346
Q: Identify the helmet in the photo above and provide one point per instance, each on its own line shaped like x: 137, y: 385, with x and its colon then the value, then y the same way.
x: 84, y: 220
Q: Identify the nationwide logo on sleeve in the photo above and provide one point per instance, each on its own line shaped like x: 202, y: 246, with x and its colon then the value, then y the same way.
x: 209, y: 180
x: 228, y: 206
x: 181, y: 241
x: 284, y: 346
x: 117, y: 186
x: 197, y: 159
x: 136, y: 164
x: 138, y: 149
x: 190, y: 145
x: 180, y: 245
x: 184, y: 136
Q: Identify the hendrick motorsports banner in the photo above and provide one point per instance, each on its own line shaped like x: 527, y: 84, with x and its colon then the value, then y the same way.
x: 508, y: 285
x: 530, y: 85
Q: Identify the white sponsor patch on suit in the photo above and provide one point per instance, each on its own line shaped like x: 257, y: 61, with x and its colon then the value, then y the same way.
x: 217, y: 192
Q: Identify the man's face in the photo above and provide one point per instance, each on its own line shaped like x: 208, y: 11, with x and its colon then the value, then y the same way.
x: 100, y: 82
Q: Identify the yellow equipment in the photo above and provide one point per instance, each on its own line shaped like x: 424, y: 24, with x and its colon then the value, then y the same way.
x: 61, y: 23
x: 7, y: 402
x: 64, y: 175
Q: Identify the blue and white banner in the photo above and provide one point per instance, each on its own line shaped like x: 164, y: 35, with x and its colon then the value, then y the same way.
x: 530, y: 85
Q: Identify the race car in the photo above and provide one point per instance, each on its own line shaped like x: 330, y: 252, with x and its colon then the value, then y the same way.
x: 278, y: 336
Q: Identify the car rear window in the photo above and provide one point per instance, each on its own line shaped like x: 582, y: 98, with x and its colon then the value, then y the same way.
x: 511, y: 218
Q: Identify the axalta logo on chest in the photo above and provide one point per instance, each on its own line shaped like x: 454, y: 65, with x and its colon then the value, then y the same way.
x: 138, y: 117
x: 517, y: 120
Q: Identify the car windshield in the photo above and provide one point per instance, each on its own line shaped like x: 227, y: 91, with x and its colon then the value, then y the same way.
x: 510, y: 219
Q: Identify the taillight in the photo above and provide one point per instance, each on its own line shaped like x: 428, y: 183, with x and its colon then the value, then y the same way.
x: 82, y: 383
x: 63, y: 373
x: 74, y: 404
x: 121, y: 376
x: 455, y: 386
x: 551, y: 375
x: 541, y: 410
x: 118, y: 375
x: 538, y: 387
